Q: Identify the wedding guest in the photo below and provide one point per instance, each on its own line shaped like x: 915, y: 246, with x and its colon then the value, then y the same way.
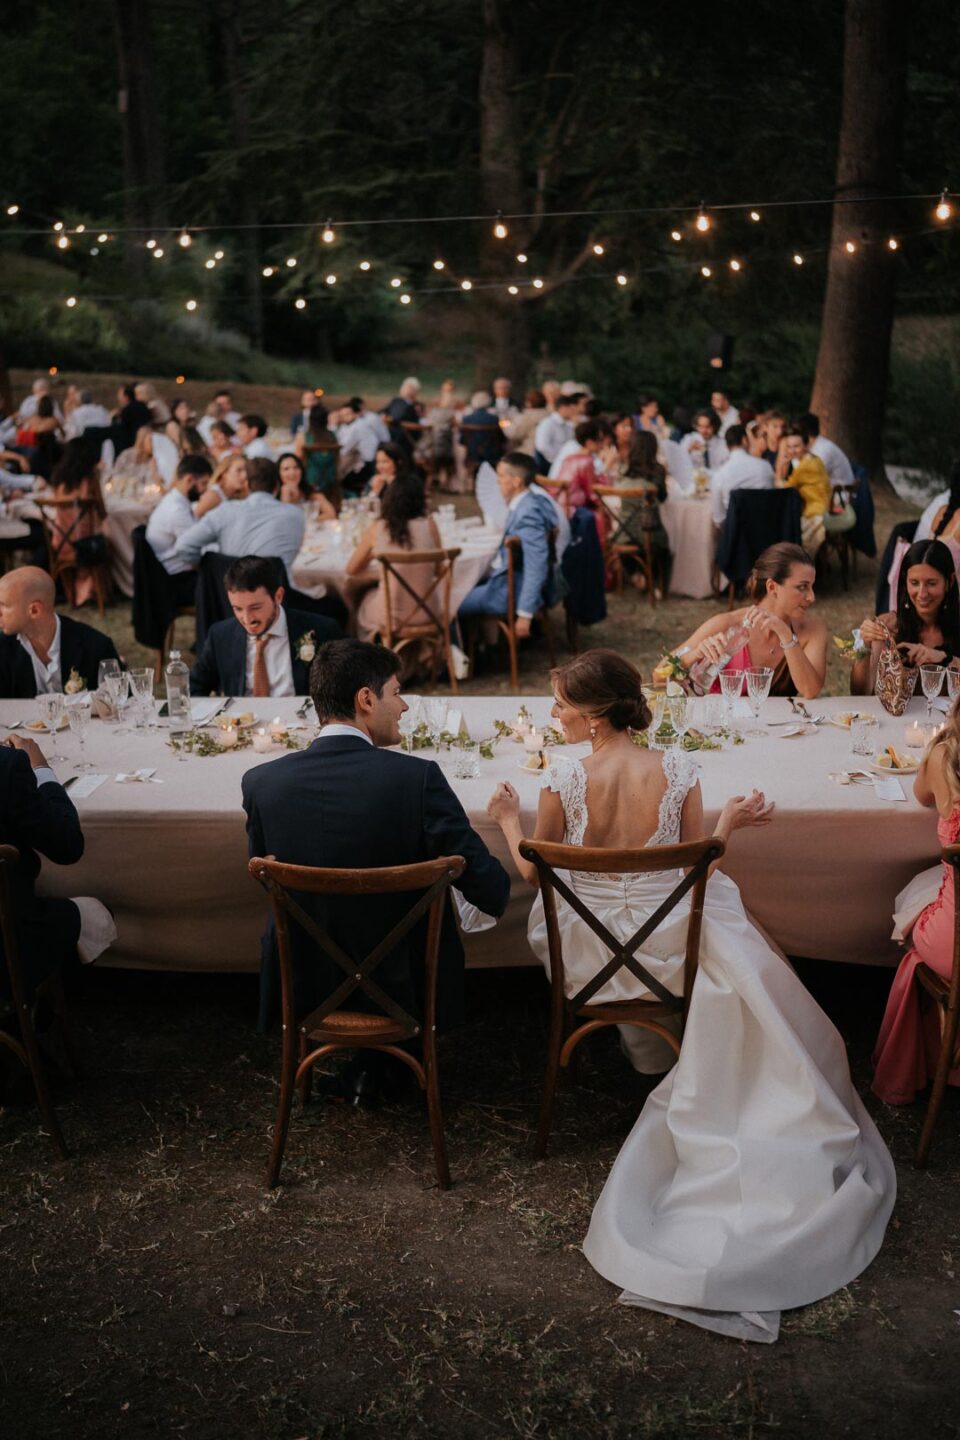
x: 703, y: 443
x: 86, y: 415
x: 191, y: 443
x: 643, y: 470
x: 130, y: 417
x: 908, y: 1045
x: 220, y: 408
x: 403, y: 524
x: 301, y: 419
x: 146, y: 393
x: 404, y: 409
x: 38, y: 818
x: 259, y: 525
x: 503, y: 405
x: 774, y: 428
x: 835, y: 462
x: 222, y: 441
x: 181, y: 420
x: 251, y: 430
x: 480, y: 432
x: 741, y: 471
x: 443, y: 417
x: 38, y: 439
x: 798, y: 468
x: 389, y: 462
x: 294, y: 489
x: 728, y: 414
x: 523, y: 428
x: 756, y: 443
x: 41, y: 651
x: 530, y: 517
x: 551, y: 389
x: 358, y: 434
x: 28, y: 408
x: 138, y: 464
x: 74, y: 479
x: 324, y: 806
x: 782, y: 636
x: 172, y: 517
x: 231, y: 481
x: 648, y: 417
x: 266, y: 649
x: 554, y: 431
x: 318, y: 448
x: 926, y: 623
x: 592, y: 437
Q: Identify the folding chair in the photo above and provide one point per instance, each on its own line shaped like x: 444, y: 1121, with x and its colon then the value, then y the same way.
x: 330, y: 1027
x: 410, y: 630
x: 507, y: 623
x: 571, y: 1020
x: 627, y: 534
x: 946, y: 996
x: 26, y: 1049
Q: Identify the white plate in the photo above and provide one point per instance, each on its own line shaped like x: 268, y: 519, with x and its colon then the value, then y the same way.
x: 527, y: 771
x: 889, y: 770
x: 845, y: 724
x: 40, y: 727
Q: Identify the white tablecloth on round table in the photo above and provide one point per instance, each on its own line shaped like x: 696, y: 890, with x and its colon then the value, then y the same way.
x: 170, y: 859
x: 689, y: 528
x: 321, y: 563
x: 122, y: 518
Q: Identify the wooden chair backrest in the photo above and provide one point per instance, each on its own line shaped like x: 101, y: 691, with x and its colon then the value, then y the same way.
x: 393, y: 562
x: 622, y: 532
x: 694, y: 857
x: 514, y: 548
x: 432, y: 877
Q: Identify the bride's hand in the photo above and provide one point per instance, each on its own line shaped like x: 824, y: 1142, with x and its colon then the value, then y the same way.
x: 743, y: 810
x: 504, y: 804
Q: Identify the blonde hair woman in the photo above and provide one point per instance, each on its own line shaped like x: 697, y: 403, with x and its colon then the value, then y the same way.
x: 909, y: 1041
x: 231, y: 481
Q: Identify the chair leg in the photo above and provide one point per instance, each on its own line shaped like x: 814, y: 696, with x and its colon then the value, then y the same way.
x: 434, y: 1112
x: 287, y: 1072
x: 39, y: 1077
x: 512, y: 647
x: 948, y: 1045
x: 58, y: 1002
x: 549, y: 1087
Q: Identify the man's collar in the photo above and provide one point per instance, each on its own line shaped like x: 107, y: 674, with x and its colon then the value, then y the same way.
x: 54, y: 651
x: 341, y: 728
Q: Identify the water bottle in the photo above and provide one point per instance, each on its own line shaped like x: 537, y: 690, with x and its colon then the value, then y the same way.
x: 703, y: 672
x: 178, y: 690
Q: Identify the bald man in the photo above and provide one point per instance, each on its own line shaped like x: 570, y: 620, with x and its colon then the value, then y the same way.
x: 40, y: 650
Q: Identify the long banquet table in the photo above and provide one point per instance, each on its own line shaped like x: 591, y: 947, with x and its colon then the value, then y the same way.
x: 170, y: 859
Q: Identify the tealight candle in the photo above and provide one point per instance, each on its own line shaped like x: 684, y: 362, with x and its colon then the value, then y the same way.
x: 521, y: 725
x: 533, y: 740
x: 918, y: 736
x: 277, y: 728
x: 227, y: 739
x: 262, y: 742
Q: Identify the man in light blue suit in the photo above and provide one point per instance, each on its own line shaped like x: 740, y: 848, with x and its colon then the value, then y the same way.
x: 530, y: 516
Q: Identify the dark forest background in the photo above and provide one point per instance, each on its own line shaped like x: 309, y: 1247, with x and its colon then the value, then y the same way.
x: 258, y: 112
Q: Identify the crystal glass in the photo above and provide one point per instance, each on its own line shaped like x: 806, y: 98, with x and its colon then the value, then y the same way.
x: 467, y: 764
x: 51, y: 713
x: 105, y: 669
x: 731, y: 688
x: 115, y: 685
x: 658, y: 704
x: 141, y: 688
x: 78, y: 714
x: 931, y: 678
x: 863, y: 735
x: 759, y: 680
x: 408, y: 723
x: 953, y: 682
x: 678, y: 710
x: 435, y: 715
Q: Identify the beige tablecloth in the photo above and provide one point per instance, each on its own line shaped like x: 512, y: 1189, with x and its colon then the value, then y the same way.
x: 689, y: 528
x: 170, y: 859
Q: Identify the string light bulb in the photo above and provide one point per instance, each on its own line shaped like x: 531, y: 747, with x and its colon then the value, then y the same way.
x: 291, y: 262
x: 267, y: 271
x: 300, y: 304
x: 63, y: 243
x: 71, y: 301
x: 364, y: 264
x: 521, y: 258
x: 705, y: 271
x: 439, y: 264
x: 180, y: 379
x: 944, y: 209
x: 850, y: 248
x: 404, y: 299
x: 327, y: 234
x: 513, y: 290
x: 735, y: 265
x: 396, y: 282
x: 103, y: 238
x: 893, y: 243
x: 755, y: 216
x: 466, y: 284
x: 621, y: 279
x: 190, y: 305
x: 58, y: 226
x: 703, y: 220
x: 53, y: 370
x: 598, y: 249
x: 185, y: 239
x: 500, y: 230
x: 151, y: 244
x: 158, y: 253
x: 218, y: 254
x: 13, y: 209
x: 538, y: 283
x: 94, y: 249
x: 798, y: 259
x: 79, y: 229
x: 330, y: 279
x: 210, y: 264
x: 675, y: 235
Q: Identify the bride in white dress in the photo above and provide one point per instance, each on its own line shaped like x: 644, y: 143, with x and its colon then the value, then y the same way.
x: 754, y: 1180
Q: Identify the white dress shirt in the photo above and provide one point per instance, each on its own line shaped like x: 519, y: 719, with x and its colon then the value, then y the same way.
x: 551, y: 434
x: 206, y: 423
x: 168, y: 521
x: 277, y: 655
x: 47, y: 675
x: 740, y: 472
x: 710, y: 457
x: 730, y: 416
x: 925, y: 523
x: 258, y: 449
x: 259, y: 525
x: 835, y: 462
x: 83, y: 417
x: 360, y: 435
x: 340, y: 727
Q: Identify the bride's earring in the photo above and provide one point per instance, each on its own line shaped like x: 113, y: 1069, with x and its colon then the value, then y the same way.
x: 593, y: 732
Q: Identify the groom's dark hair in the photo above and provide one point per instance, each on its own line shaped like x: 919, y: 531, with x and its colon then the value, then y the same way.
x: 342, y: 667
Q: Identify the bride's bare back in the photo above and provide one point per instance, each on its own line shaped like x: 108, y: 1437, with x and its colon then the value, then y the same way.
x: 625, y: 786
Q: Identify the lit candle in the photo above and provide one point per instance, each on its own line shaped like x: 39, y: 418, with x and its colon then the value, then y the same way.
x: 227, y: 739
x: 533, y: 740
x: 521, y: 725
x: 262, y: 742
x: 277, y: 728
x: 917, y: 736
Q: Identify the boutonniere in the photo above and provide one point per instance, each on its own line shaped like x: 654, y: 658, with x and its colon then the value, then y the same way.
x: 75, y: 683
x: 307, y: 647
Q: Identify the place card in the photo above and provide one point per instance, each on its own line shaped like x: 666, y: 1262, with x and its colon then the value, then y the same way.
x: 887, y: 788
x: 85, y: 785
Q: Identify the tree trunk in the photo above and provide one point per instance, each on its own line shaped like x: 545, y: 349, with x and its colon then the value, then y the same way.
x: 849, y: 389
x: 246, y: 182
x: 503, y: 330
x: 143, y: 155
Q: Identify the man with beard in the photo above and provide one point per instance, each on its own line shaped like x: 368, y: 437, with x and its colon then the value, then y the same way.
x: 173, y: 517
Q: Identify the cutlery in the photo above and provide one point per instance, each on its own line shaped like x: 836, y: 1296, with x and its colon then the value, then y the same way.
x: 13, y: 725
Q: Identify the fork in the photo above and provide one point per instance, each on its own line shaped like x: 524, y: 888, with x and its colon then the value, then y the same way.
x: 14, y: 725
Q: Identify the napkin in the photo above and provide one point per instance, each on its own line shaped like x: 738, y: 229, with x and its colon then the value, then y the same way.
x: 203, y: 710
x: 126, y: 778
x: 887, y: 788
x: 86, y: 785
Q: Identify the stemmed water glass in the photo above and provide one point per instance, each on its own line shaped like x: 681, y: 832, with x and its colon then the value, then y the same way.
x: 78, y: 714
x: 51, y: 713
x: 677, y: 709
x: 108, y: 673
x: 435, y: 707
x: 759, y: 680
x: 731, y: 688
x: 658, y: 704
x: 408, y: 723
x: 931, y: 678
x: 953, y: 682
x: 141, y: 686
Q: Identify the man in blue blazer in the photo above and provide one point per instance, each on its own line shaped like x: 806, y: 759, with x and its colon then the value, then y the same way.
x: 266, y: 649
x: 530, y: 516
x: 347, y: 801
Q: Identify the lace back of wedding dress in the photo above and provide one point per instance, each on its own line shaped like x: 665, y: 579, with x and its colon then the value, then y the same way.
x: 569, y: 780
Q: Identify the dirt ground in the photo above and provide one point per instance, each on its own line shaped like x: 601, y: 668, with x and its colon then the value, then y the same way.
x: 152, y: 1286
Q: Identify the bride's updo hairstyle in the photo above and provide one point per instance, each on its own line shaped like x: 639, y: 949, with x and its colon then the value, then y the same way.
x: 775, y: 563
x: 602, y: 684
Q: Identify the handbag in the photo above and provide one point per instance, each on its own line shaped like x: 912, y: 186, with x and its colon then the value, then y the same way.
x: 895, y: 678
x: 91, y: 550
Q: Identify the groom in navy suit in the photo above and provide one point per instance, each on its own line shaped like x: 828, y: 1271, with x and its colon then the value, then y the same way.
x: 266, y: 649
x: 347, y: 801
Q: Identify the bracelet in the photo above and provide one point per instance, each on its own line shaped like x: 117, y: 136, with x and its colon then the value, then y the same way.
x: 790, y: 643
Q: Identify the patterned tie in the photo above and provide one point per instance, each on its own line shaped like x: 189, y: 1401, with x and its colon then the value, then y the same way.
x: 261, y: 680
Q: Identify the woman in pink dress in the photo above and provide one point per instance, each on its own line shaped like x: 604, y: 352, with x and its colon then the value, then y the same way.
x: 907, y: 1047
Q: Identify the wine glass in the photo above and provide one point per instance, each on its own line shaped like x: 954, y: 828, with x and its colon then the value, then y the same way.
x: 141, y: 687
x: 435, y: 707
x: 953, y: 682
x: 658, y: 704
x: 78, y: 714
x: 51, y: 713
x: 759, y: 679
x: 931, y: 678
x: 116, y: 684
x: 731, y: 688
x: 679, y: 716
x: 408, y: 723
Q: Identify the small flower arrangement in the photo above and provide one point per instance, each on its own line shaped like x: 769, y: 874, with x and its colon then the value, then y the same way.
x: 75, y: 684
x: 307, y: 646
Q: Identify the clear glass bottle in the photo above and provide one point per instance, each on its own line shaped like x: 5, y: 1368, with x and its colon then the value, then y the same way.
x: 703, y: 672
x: 178, y: 688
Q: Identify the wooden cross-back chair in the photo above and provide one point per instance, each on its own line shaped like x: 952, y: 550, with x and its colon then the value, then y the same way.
x: 65, y: 521
x: 330, y: 1027
x: 571, y: 1020
x: 423, y: 625
x: 507, y: 622
x: 945, y: 994
x: 628, y: 537
x: 26, y: 1048
x: 838, y: 540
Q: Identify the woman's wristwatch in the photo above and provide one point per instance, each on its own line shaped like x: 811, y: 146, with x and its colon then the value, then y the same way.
x: 790, y: 643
